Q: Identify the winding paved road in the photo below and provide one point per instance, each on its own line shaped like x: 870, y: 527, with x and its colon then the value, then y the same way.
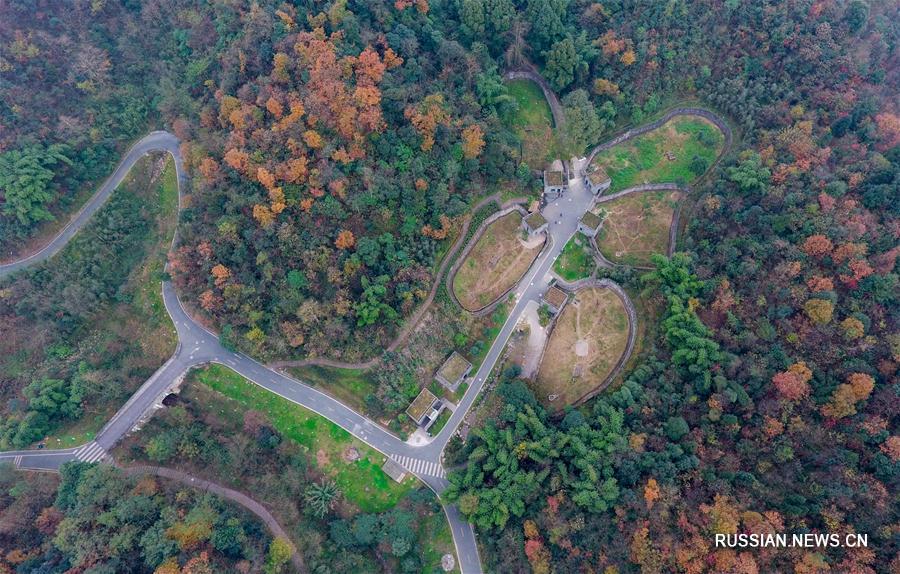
x: 154, y: 141
x: 198, y: 346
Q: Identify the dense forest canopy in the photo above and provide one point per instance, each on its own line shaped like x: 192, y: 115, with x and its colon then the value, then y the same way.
x: 335, y: 145
x: 96, y: 519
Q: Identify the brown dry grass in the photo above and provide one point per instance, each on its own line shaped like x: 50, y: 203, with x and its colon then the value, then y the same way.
x: 595, y: 316
x: 495, y: 264
x: 637, y: 227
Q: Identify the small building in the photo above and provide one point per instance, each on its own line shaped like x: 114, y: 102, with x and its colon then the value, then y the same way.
x: 555, y: 298
x: 596, y: 179
x: 590, y: 224
x: 453, y: 371
x: 555, y: 182
x: 535, y: 223
x: 394, y: 470
x: 425, y: 408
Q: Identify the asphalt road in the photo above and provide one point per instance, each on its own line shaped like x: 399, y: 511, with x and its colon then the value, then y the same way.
x: 154, y: 141
x: 197, y: 346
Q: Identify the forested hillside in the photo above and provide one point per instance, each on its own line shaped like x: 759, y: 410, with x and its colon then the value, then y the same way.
x: 96, y: 519
x: 336, y: 145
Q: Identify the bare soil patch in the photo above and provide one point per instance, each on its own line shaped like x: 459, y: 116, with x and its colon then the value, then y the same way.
x: 589, y: 337
x: 496, y: 262
x: 637, y: 227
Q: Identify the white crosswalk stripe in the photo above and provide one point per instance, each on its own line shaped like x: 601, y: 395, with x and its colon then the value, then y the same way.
x: 91, y: 452
x: 419, y: 466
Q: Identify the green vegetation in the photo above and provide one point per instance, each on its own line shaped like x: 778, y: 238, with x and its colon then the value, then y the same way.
x: 763, y: 400
x: 692, y: 144
x: 575, y: 262
x: 99, y: 326
x: 353, y: 387
x: 481, y: 347
x: 311, y: 474
x: 363, y: 483
x: 440, y: 422
x: 532, y: 122
x: 496, y: 482
x: 95, y: 518
x: 26, y: 176
x: 532, y: 110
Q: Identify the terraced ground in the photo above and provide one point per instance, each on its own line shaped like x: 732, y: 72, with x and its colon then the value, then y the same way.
x: 586, y: 342
x: 637, y: 227
x: 679, y: 151
x: 496, y: 262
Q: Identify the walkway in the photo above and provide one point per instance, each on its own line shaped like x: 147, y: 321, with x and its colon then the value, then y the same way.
x: 233, y: 495
x: 527, y: 71
x: 198, y: 346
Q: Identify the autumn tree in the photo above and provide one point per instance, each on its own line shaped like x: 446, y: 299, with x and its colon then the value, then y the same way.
x: 472, y: 141
x: 793, y: 384
x: 845, y: 397
x: 817, y: 246
x: 345, y: 240
x: 819, y: 310
x: 426, y: 117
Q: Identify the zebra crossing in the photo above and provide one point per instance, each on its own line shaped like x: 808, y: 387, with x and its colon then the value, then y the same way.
x: 419, y: 466
x: 90, y: 452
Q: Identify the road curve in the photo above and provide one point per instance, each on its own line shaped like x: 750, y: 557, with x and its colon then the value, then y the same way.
x: 198, y: 346
x: 233, y: 495
x: 154, y: 141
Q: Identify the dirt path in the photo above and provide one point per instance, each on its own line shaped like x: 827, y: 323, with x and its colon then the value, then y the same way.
x: 233, y: 495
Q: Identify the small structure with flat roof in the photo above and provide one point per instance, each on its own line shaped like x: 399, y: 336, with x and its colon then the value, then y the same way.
x: 535, y: 223
x: 590, y: 224
x: 424, y: 410
x: 555, y: 298
x: 596, y: 179
x: 394, y: 470
x: 453, y: 371
x: 556, y: 182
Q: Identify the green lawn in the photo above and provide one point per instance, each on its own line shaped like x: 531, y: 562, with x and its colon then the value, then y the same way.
x: 575, y: 262
x: 643, y: 159
x: 435, y: 529
x: 362, y: 482
x: 532, y: 121
x: 533, y: 109
x: 440, y: 422
x: 350, y: 386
